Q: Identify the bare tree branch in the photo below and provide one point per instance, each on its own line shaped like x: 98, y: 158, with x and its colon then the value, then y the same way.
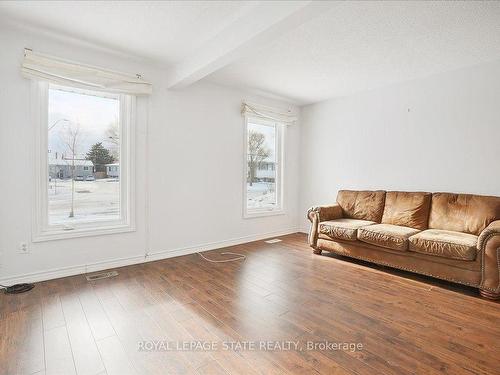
x: 257, y: 152
x: 113, y: 137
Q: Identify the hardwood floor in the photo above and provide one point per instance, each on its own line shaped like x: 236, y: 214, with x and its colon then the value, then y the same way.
x: 280, y: 294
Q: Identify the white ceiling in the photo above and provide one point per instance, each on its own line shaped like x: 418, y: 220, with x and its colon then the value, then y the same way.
x: 358, y: 46
x: 298, y: 50
x: 163, y: 31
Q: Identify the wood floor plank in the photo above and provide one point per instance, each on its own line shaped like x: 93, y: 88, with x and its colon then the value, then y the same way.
x: 212, y: 368
x: 21, y: 342
x: 114, y: 357
x: 95, y: 314
x: 53, y: 316
x: 58, y: 354
x: 83, y: 346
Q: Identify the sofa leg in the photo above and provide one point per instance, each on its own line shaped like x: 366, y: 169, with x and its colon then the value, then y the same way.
x: 489, y: 294
x: 317, y: 251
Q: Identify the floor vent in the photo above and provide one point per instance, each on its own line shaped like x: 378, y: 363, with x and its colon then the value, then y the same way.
x: 274, y: 240
x: 101, y: 275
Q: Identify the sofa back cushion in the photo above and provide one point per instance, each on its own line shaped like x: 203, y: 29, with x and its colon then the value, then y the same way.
x: 362, y: 205
x: 407, y: 209
x: 465, y: 213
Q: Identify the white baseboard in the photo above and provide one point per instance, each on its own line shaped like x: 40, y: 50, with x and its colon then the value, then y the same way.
x: 157, y: 255
x: 304, y: 229
x: 57, y: 273
x: 127, y: 261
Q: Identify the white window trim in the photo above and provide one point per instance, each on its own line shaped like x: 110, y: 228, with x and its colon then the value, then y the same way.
x: 41, y: 230
x: 280, y: 162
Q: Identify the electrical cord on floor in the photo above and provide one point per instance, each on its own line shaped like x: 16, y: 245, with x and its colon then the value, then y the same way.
x: 239, y: 257
x: 17, y: 288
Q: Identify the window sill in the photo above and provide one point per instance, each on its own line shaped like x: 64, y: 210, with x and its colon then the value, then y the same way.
x: 263, y: 213
x: 61, y: 234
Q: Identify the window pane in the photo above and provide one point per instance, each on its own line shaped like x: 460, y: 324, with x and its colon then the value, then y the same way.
x: 83, y: 142
x: 261, y: 161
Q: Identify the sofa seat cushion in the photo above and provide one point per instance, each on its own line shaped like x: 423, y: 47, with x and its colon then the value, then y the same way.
x: 342, y: 229
x: 390, y: 236
x: 445, y: 243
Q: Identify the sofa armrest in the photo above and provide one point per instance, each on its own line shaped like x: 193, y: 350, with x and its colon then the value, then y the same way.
x: 325, y: 213
x: 489, y: 251
x: 318, y: 214
x: 490, y: 231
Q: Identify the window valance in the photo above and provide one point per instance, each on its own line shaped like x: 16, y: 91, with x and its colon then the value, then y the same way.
x: 268, y: 113
x: 62, y: 72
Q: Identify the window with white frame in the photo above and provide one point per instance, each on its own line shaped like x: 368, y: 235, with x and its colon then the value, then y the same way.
x: 263, y: 187
x: 84, y: 169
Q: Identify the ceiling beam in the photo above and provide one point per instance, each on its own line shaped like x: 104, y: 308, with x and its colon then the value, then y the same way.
x: 262, y: 23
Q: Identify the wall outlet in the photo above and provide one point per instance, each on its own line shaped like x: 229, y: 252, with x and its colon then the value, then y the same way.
x: 23, y: 248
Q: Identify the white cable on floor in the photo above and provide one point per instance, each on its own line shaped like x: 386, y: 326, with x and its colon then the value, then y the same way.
x: 240, y: 257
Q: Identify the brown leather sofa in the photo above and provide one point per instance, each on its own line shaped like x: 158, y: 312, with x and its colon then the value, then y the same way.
x: 455, y: 237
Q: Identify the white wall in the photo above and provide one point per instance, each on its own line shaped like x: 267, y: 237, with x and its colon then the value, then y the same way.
x: 191, y: 160
x: 196, y: 164
x: 441, y: 133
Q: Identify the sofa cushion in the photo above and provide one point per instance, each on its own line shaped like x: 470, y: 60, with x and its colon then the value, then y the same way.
x: 342, y: 229
x: 445, y: 243
x: 387, y: 235
x: 407, y: 209
x: 463, y: 212
x: 362, y: 205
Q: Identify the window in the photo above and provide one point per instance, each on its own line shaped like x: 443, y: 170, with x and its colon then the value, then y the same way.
x: 81, y: 132
x: 263, y: 171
